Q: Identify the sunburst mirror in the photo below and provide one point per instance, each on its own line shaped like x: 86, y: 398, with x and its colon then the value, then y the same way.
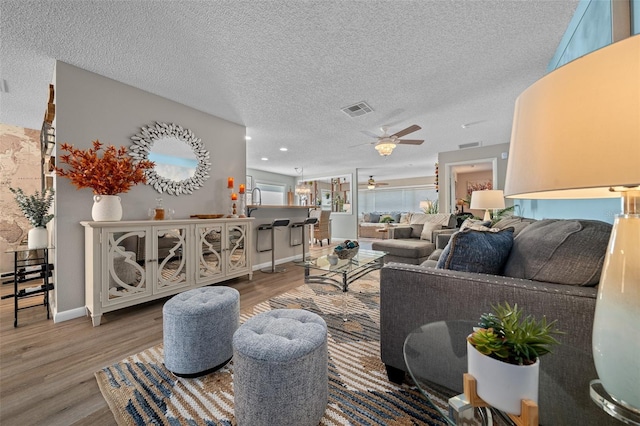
x: 181, y: 161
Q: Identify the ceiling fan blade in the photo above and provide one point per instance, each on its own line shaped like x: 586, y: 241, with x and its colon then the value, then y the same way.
x: 406, y: 131
x: 360, y: 144
x: 410, y: 141
x: 370, y: 134
x: 381, y: 183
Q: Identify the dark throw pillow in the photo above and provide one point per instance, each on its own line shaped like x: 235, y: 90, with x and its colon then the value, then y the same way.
x: 477, y: 251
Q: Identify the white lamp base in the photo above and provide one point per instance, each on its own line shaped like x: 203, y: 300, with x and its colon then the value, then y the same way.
x: 487, y: 216
x: 616, y: 325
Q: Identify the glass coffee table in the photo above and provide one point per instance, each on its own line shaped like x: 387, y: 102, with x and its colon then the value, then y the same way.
x: 346, y: 271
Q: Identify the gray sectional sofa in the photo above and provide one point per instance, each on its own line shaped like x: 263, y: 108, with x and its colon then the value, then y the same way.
x: 552, y: 269
x: 414, y: 241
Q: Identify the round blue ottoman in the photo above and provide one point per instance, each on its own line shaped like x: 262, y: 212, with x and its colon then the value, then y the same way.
x: 280, y: 369
x: 198, y: 327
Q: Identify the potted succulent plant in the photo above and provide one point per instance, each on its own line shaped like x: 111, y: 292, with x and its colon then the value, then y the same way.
x: 107, y: 173
x: 504, y: 356
x: 36, y: 209
x: 387, y: 220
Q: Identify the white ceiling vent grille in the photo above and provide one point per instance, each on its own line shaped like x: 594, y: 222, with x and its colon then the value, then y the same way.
x: 469, y: 145
x: 356, y: 110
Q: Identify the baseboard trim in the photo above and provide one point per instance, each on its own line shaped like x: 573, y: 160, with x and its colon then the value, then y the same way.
x: 69, y: 315
x: 278, y: 262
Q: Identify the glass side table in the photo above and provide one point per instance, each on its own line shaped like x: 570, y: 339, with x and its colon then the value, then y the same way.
x: 436, y: 353
x: 602, y: 398
x: 445, y: 365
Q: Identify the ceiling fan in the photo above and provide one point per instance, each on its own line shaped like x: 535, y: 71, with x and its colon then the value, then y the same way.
x: 386, y: 143
x: 372, y: 184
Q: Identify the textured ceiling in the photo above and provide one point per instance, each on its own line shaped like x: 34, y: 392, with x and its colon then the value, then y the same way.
x: 285, y: 68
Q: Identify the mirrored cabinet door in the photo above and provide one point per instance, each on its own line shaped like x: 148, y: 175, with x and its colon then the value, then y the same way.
x: 209, y: 256
x: 170, y: 257
x: 237, y: 247
x: 126, y: 273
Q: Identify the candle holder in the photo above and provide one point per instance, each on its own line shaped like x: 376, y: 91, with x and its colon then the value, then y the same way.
x: 233, y: 210
x: 230, y: 203
x: 243, y: 206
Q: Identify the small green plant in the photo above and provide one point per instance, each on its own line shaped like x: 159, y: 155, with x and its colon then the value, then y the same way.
x: 506, y: 336
x: 387, y: 219
x: 432, y: 207
x: 502, y: 213
x: 35, y: 207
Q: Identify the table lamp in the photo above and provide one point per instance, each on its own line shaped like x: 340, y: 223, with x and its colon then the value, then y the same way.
x: 576, y: 134
x: 486, y: 200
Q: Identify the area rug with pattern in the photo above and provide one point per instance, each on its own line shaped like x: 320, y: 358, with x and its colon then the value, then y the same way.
x: 140, y: 390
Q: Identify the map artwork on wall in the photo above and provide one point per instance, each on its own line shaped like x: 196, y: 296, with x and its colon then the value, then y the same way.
x: 478, y: 185
x: 19, y: 168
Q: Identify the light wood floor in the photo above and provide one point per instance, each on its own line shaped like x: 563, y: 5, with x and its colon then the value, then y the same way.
x: 46, y: 369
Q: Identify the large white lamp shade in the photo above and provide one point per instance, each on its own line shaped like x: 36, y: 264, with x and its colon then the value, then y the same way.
x: 576, y: 134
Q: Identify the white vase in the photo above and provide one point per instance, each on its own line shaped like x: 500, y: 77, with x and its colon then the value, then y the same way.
x: 503, y: 385
x: 106, y: 208
x: 38, y: 238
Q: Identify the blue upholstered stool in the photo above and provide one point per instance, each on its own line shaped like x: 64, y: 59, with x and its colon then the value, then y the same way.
x: 280, y: 369
x: 198, y: 327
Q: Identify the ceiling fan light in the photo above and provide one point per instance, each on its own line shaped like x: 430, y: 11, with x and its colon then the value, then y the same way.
x: 385, y: 148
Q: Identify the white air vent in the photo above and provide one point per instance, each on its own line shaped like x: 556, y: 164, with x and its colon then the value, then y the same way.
x: 469, y: 145
x: 356, y: 110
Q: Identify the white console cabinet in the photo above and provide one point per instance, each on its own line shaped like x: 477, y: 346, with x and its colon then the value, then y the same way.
x: 131, y: 262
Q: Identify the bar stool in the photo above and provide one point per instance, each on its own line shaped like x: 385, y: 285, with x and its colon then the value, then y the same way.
x: 275, y: 224
x: 303, y: 225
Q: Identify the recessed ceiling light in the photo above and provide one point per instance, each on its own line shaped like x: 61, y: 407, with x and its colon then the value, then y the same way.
x: 264, y: 159
x: 247, y: 138
x: 284, y: 149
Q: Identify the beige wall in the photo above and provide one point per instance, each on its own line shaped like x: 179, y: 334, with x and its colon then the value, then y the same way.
x: 461, y: 187
x: 90, y: 106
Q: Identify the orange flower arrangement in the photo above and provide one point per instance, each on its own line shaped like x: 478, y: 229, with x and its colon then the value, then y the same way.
x: 112, y: 174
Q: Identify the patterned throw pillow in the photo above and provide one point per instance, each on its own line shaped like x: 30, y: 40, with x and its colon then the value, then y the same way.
x: 477, y: 251
x: 469, y: 222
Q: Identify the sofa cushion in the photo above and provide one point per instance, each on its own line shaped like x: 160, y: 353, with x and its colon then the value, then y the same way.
x: 560, y: 251
x: 404, y: 218
x: 374, y: 217
x: 416, y: 230
x: 477, y: 251
x: 405, y: 248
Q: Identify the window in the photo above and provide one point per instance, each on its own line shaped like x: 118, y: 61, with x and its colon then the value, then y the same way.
x: 394, y: 199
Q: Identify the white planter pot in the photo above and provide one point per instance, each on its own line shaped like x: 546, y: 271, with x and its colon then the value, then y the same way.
x: 38, y: 238
x: 503, y: 385
x: 106, y: 208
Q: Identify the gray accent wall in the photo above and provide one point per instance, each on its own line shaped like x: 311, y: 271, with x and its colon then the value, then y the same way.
x: 89, y: 107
